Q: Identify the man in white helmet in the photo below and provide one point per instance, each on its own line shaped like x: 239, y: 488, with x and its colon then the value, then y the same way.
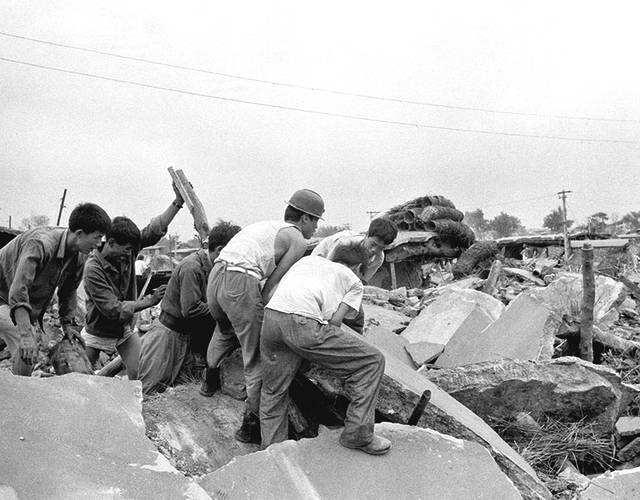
x: 260, y: 253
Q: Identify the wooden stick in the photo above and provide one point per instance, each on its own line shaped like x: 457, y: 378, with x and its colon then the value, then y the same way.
x: 489, y: 286
x: 193, y: 202
x: 588, y: 300
x: 394, y: 281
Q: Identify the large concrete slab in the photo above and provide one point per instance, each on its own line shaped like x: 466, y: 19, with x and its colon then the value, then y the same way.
x: 422, y: 464
x: 525, y: 331
x: 466, y: 334
x: 439, y: 321
x: 80, y: 436
x: 400, y: 393
x: 624, y: 484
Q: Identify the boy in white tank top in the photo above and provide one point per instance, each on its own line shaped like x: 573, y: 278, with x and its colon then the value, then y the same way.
x: 261, y: 252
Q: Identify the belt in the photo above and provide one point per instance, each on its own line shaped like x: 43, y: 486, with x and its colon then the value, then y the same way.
x: 239, y: 269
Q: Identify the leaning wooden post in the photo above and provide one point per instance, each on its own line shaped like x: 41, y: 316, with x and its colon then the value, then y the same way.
x: 588, y: 300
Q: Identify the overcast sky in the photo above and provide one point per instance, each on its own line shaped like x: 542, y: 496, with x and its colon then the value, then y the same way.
x: 111, y: 143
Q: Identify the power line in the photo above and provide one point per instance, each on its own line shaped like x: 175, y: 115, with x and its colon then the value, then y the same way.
x: 315, y: 89
x: 319, y: 112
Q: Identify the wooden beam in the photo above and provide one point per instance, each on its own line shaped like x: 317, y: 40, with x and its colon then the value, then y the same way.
x: 588, y: 300
x: 192, y: 201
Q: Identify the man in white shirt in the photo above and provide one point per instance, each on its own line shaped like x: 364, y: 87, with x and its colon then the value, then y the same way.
x: 382, y: 231
x: 261, y: 252
x: 302, y: 321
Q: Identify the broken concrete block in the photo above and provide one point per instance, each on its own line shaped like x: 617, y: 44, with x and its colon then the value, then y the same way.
x: 564, y: 295
x: 380, y: 325
x: 439, y: 321
x: 526, y: 330
x: 623, y: 484
x: 572, y: 475
x: 321, y: 468
x: 376, y: 292
x: 566, y: 389
x: 194, y: 432
x: 628, y: 426
x: 400, y: 392
x: 80, y: 436
x: 423, y: 352
x: 630, y: 451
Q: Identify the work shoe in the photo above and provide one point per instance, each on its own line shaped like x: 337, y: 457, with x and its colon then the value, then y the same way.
x: 377, y: 446
x: 210, y: 381
x: 249, y: 431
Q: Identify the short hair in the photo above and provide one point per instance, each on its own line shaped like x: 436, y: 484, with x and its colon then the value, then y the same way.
x: 351, y: 254
x: 221, y: 234
x: 292, y: 214
x: 89, y: 217
x: 124, y: 231
x: 140, y: 257
x: 383, y: 228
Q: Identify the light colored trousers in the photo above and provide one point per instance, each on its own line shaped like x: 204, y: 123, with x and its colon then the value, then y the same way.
x: 235, y: 302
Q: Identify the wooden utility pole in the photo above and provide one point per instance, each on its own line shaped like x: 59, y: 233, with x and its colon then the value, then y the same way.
x: 9, y: 222
x: 588, y: 300
x: 64, y: 195
x: 567, y: 246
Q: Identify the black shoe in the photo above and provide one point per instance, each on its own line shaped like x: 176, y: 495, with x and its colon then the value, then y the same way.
x: 249, y: 431
x: 210, y: 381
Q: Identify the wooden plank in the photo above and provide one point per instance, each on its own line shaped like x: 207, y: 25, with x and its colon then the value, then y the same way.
x: 192, y: 201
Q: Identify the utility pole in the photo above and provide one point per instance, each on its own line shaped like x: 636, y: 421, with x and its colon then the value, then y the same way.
x: 64, y: 195
x: 9, y: 222
x: 371, y: 213
x: 567, y: 247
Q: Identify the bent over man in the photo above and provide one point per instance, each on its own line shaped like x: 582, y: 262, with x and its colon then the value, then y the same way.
x: 382, y: 231
x: 302, y: 321
x: 110, y: 285
x: 185, y: 315
x: 263, y: 251
x: 32, y: 266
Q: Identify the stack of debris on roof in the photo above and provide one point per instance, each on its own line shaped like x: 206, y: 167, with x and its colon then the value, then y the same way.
x: 430, y: 227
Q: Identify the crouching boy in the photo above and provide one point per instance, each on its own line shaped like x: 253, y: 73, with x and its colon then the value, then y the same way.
x: 302, y: 321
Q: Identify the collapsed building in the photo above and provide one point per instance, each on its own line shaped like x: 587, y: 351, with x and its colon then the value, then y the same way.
x: 484, y: 395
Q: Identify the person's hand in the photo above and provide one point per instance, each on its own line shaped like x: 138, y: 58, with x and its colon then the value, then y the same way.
x: 179, y: 198
x: 27, y: 346
x: 157, y: 295
x: 73, y: 332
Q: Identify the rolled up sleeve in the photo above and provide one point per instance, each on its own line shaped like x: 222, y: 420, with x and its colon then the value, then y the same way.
x: 353, y: 297
x: 154, y: 231
x: 31, y: 260
x: 99, y: 291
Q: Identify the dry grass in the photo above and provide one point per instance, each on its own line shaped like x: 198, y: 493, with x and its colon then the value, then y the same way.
x: 548, y: 448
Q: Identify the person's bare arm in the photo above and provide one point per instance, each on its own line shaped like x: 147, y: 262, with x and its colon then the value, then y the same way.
x: 339, y: 315
x: 291, y: 246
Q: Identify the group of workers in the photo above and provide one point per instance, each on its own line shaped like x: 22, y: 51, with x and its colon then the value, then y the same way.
x: 251, y: 288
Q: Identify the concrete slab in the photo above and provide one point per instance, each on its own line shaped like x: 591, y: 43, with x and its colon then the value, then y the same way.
x: 399, y: 394
x: 525, y: 331
x: 380, y: 324
x: 465, y: 335
x: 613, y: 485
x: 439, y: 321
x: 424, y: 352
x: 422, y: 464
x: 80, y: 436
x: 628, y: 426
